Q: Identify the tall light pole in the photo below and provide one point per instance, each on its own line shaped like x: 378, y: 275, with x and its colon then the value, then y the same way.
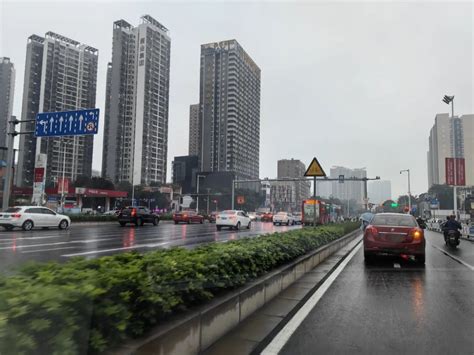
x: 409, y: 192
x: 197, y: 191
x: 450, y: 100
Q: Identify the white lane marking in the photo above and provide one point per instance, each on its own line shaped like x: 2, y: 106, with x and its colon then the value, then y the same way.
x: 92, y: 252
x: 42, y: 250
x: 454, y: 257
x: 396, y: 265
x: 284, y: 335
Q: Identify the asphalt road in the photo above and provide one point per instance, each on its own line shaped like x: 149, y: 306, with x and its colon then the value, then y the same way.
x: 91, y: 240
x: 395, y: 307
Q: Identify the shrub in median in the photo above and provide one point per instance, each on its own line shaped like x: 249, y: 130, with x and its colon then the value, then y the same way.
x: 91, y: 305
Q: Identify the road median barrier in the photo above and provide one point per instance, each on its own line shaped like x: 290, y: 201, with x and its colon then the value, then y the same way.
x: 172, y: 301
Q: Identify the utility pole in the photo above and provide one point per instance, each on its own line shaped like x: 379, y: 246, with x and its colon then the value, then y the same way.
x: 208, y: 189
x: 409, y: 192
x: 450, y: 100
x: 11, y: 134
x: 197, y: 191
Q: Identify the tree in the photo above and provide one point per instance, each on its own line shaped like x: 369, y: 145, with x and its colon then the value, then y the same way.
x: 101, y: 183
x: 82, y: 181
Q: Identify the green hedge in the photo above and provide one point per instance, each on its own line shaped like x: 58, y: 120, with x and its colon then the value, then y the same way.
x: 88, y: 306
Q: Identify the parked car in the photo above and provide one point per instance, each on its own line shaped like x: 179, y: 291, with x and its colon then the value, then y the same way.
x: 267, y: 217
x: 234, y: 219
x: 187, y: 217
x: 212, y: 217
x: 29, y: 217
x: 252, y: 216
x: 394, y: 234
x: 138, y: 216
x: 298, y: 218
x: 283, y: 218
x: 112, y: 213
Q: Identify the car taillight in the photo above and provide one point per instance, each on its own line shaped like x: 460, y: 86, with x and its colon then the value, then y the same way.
x: 185, y: 215
x: 134, y: 212
x: 416, y: 233
x: 16, y: 215
x: 372, y: 231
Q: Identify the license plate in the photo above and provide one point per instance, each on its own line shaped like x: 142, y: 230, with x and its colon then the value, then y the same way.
x: 223, y: 217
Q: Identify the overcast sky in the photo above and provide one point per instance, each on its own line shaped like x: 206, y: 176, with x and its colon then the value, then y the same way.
x: 355, y: 84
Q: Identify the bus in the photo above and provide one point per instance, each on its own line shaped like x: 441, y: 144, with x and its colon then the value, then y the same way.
x: 312, y: 206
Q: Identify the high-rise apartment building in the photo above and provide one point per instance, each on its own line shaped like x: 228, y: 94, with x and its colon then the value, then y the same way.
x: 185, y: 169
x: 349, y: 190
x: 379, y: 191
x: 229, y: 116
x: 60, y: 75
x: 450, y: 137
x: 293, y: 168
x: 7, y: 88
x: 193, y: 130
x: 137, y: 99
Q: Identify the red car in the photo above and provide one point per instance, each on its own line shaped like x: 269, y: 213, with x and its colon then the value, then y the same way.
x: 267, y: 217
x: 394, y: 234
x: 187, y: 217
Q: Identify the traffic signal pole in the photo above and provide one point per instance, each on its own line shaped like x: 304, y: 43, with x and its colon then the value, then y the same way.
x: 11, y: 134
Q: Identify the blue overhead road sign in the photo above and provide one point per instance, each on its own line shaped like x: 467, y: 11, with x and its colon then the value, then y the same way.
x: 67, y: 123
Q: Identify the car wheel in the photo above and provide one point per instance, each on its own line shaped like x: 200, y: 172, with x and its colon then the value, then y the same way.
x: 201, y: 221
x: 156, y: 221
x: 189, y: 221
x: 288, y: 223
x: 175, y: 222
x: 122, y: 224
x: 63, y: 224
x: 274, y: 223
x: 249, y: 225
x: 27, y: 225
x: 368, y: 257
x: 237, y: 226
x: 8, y: 228
x: 219, y: 228
x: 420, y: 259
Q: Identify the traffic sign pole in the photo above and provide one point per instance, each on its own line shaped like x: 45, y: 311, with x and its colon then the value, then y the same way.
x: 314, y: 218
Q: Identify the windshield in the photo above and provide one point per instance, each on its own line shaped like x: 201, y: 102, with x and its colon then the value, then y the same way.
x: 395, y: 220
x: 12, y: 209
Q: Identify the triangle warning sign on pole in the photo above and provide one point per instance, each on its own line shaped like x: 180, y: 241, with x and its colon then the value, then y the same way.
x: 315, y: 169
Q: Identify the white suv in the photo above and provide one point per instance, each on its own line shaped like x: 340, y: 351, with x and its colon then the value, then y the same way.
x: 233, y: 219
x: 29, y: 217
x: 283, y: 218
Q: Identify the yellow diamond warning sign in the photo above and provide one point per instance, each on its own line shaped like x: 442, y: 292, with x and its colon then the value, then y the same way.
x: 315, y: 169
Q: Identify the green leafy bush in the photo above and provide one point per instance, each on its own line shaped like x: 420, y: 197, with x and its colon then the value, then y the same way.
x: 88, y: 306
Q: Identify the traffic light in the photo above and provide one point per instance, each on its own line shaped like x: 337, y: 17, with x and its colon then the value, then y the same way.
x: 394, y: 205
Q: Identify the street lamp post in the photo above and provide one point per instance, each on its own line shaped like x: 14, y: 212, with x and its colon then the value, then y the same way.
x: 450, y: 100
x: 197, y: 191
x: 409, y: 193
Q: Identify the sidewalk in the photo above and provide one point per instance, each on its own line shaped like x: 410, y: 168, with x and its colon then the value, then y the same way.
x: 261, y: 326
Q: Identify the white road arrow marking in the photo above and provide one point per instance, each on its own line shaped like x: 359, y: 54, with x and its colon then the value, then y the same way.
x: 70, y: 122
x: 51, y: 121
x: 61, y: 120
x: 80, y: 122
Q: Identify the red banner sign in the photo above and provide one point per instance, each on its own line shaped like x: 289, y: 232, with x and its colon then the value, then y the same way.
x: 63, y: 185
x: 460, y: 172
x: 455, y: 171
x: 39, y: 174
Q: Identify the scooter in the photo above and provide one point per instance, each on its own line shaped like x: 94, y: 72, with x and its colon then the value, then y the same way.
x: 452, y: 239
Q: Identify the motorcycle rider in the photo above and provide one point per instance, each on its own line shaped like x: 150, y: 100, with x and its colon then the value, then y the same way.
x: 451, y: 224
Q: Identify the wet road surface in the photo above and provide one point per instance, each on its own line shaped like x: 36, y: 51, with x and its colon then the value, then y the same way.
x: 92, y: 240
x: 395, y: 307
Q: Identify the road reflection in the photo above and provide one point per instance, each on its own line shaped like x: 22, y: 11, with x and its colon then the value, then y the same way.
x: 128, y: 240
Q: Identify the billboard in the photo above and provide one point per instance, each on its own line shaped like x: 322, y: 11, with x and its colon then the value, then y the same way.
x: 455, y: 171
